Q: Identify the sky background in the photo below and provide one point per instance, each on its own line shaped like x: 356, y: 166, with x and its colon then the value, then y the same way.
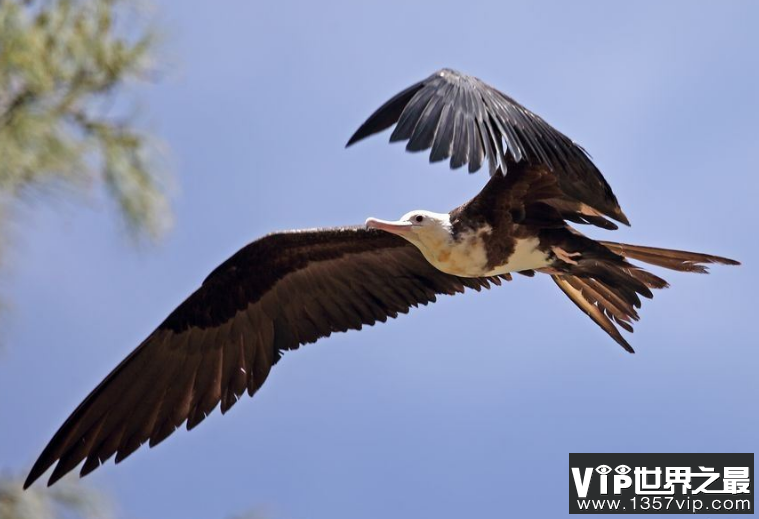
x: 466, y: 408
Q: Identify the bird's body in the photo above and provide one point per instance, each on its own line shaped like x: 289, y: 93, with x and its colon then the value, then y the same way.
x: 508, y: 227
x: 467, y: 255
x: 293, y: 288
x: 465, y: 251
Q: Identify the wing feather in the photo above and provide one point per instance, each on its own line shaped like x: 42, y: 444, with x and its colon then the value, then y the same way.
x: 277, y: 293
x: 461, y: 117
x: 580, y: 299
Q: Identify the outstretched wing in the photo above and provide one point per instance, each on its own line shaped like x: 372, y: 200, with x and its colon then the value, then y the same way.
x: 462, y: 118
x: 277, y: 293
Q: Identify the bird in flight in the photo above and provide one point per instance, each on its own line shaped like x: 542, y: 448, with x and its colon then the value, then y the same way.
x: 292, y: 288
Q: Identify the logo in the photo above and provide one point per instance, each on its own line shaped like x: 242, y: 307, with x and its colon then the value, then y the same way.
x: 661, y: 483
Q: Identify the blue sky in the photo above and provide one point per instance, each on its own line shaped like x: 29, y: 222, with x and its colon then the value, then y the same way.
x: 467, y: 408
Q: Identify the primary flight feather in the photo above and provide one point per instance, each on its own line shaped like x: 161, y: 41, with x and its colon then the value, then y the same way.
x: 292, y: 288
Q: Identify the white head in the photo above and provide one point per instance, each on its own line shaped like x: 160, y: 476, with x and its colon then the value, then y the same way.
x: 427, y: 230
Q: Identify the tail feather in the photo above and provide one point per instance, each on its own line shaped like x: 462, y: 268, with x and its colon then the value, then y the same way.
x: 608, y: 289
x: 680, y: 260
x: 602, y: 297
x: 569, y: 285
x: 625, y: 308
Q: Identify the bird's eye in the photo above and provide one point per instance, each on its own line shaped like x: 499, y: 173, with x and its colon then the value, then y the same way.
x: 419, y: 218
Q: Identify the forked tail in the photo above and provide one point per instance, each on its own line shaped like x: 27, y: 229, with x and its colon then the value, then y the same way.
x: 608, y: 290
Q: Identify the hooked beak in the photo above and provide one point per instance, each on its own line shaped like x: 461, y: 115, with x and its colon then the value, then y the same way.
x: 398, y: 227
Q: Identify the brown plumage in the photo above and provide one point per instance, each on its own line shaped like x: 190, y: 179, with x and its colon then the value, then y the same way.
x: 274, y: 295
x: 290, y: 289
x: 461, y: 117
x: 612, y: 301
x: 598, y: 278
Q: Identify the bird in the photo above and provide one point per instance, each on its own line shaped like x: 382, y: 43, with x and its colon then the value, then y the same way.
x: 289, y: 289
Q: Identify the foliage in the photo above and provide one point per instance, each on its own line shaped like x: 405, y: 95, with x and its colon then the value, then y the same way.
x: 68, y: 499
x: 64, y: 127
x: 62, y: 62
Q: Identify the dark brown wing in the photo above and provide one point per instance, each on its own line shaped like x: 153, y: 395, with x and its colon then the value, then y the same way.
x: 531, y: 196
x: 275, y: 294
x: 463, y: 118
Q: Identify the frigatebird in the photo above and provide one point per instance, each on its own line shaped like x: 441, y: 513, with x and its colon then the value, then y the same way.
x: 292, y: 288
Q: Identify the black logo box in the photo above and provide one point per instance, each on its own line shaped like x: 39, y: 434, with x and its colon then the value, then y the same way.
x: 630, y: 502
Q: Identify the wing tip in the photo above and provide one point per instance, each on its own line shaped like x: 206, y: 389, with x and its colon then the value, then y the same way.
x: 354, y: 138
x: 386, y: 115
x: 620, y: 216
x: 55, y: 476
x: 38, y: 469
x: 30, y: 479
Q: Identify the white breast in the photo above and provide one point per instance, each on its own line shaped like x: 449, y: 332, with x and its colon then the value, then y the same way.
x: 526, y: 256
x: 467, y: 256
